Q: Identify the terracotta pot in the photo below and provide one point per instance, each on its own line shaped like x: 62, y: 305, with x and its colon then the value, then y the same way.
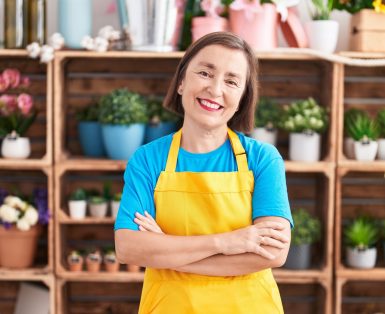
x: 93, y: 266
x: 133, y: 268
x: 75, y: 266
x: 18, y: 248
x: 112, y: 267
x: 204, y: 25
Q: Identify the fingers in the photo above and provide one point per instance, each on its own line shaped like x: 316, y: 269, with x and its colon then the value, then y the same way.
x: 274, y: 234
x: 266, y: 241
x: 147, y: 223
x: 263, y: 252
x: 270, y: 224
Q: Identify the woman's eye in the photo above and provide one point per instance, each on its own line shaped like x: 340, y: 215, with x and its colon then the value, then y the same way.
x: 204, y: 74
x: 232, y: 83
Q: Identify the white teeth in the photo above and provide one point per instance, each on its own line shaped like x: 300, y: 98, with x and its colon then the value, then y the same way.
x: 209, y: 104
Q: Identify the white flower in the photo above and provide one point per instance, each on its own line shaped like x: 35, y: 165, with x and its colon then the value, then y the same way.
x: 88, y: 43
x: 15, y: 202
x: 46, y: 54
x: 33, y: 50
x: 8, y: 213
x: 101, y: 44
x: 282, y: 6
x: 115, y: 35
x: 23, y: 225
x: 105, y: 32
x: 31, y: 215
x: 56, y: 41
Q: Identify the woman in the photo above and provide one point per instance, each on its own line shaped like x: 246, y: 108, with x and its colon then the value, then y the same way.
x: 210, y: 204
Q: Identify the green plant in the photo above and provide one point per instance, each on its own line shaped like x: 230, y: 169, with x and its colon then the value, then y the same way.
x: 362, y: 233
x: 352, y: 6
x: 267, y: 114
x: 122, y: 107
x: 350, y: 115
x: 307, y: 228
x: 304, y: 116
x: 78, y: 195
x: 117, y: 197
x: 362, y: 128
x: 74, y: 257
x: 107, y: 190
x: 381, y: 122
x: 88, y: 113
x: 321, y: 9
x: 97, y: 200
x: 157, y: 113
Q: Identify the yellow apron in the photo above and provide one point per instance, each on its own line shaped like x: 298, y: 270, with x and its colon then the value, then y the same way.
x: 191, y: 203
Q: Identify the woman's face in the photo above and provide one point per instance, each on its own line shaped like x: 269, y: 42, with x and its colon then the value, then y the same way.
x: 213, y: 86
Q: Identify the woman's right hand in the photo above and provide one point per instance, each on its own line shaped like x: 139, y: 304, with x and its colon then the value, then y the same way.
x: 254, y: 239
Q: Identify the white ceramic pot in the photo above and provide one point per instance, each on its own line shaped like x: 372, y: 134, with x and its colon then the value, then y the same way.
x: 114, y: 208
x: 322, y: 35
x: 365, y: 151
x: 98, y: 210
x: 361, y: 258
x: 265, y: 135
x: 77, y: 209
x: 381, y: 149
x: 304, y: 147
x: 15, y: 147
x: 349, y: 148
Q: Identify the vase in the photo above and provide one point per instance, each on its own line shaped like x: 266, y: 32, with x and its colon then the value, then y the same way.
x: 17, y: 247
x: 304, y: 147
x: 114, y: 208
x: 203, y: 25
x: 15, y: 147
x: 265, y: 135
x: 154, y: 131
x: 364, y: 259
x: 91, y: 141
x: 349, y: 148
x: 15, y: 24
x: 322, y: 35
x: 381, y: 149
x: 299, y: 257
x: 77, y: 209
x: 365, y: 151
x: 98, y: 210
x: 260, y: 30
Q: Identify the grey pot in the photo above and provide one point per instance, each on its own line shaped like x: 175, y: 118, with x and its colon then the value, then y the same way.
x: 299, y: 257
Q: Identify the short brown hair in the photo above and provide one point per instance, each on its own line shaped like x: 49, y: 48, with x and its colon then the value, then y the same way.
x: 243, y: 119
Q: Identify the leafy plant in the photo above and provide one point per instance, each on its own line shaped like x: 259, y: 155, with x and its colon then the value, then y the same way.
x: 322, y: 10
x: 350, y: 116
x: 157, y: 113
x: 96, y: 200
x: 352, y: 6
x: 75, y: 257
x: 381, y: 122
x: 307, y: 228
x: 78, y: 195
x: 89, y: 113
x: 267, y: 114
x: 117, y: 197
x: 304, y: 116
x: 362, y: 128
x: 362, y: 233
x: 122, y: 107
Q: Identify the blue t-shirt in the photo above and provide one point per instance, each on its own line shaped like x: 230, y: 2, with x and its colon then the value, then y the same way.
x: 144, y: 167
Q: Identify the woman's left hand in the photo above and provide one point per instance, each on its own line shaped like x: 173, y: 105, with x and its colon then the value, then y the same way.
x: 147, y: 223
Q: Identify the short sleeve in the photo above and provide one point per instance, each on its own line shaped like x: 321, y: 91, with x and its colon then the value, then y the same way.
x: 137, y: 196
x: 270, y: 192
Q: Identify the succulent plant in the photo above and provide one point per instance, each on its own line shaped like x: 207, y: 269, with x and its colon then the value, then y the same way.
x: 267, y: 114
x: 362, y: 128
x: 362, y: 233
x: 307, y: 228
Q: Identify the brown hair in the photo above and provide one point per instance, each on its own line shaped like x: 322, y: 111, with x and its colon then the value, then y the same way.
x: 243, y: 119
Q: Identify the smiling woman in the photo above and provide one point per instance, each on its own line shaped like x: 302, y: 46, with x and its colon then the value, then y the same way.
x: 206, y: 209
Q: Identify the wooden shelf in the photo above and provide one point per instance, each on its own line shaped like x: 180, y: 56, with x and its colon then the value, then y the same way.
x: 24, y: 163
x: 300, y: 276
x: 376, y: 274
x: 86, y: 164
x: 120, y: 276
x: 25, y: 274
x: 364, y: 166
x: 65, y: 219
x: 321, y: 166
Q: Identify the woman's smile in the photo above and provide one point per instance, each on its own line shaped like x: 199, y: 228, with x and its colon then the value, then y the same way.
x: 209, y: 105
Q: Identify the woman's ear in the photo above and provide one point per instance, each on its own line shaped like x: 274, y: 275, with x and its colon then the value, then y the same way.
x: 180, y: 88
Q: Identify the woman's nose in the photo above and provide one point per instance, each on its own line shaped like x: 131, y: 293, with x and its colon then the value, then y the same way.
x: 215, y: 88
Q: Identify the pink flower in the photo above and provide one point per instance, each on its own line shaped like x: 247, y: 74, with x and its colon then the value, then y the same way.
x: 25, y: 81
x: 25, y: 103
x: 4, y: 84
x: 12, y: 76
x: 212, y: 8
x: 10, y: 103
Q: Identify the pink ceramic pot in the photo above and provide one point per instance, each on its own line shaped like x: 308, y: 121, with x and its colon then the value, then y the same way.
x: 204, y: 25
x: 260, y: 30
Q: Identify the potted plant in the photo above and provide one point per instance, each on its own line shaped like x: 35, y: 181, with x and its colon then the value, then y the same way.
x: 211, y: 21
x: 161, y: 121
x: 115, y: 204
x: 364, y: 132
x: 306, y: 231
x: 349, y: 116
x: 133, y: 268
x: 94, y: 261
x: 98, y: 206
x: 77, y: 204
x: 381, y: 140
x: 75, y: 261
x: 110, y: 261
x: 16, y: 114
x: 267, y: 117
x: 20, y: 228
x: 361, y: 236
x: 321, y: 31
x: 305, y: 120
x: 90, y: 131
x: 123, y: 115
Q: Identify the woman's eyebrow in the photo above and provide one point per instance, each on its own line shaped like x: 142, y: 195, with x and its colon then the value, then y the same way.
x: 213, y: 67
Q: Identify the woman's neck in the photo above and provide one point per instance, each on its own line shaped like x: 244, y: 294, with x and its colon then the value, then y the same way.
x: 198, y: 140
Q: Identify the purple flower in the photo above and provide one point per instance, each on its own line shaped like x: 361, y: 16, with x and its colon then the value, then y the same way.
x: 40, y: 197
x: 3, y: 194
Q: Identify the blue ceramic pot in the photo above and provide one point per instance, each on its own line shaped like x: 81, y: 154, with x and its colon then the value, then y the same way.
x: 161, y: 129
x: 122, y: 141
x: 91, y: 141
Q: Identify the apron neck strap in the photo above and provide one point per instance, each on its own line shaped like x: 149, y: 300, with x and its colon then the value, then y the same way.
x: 239, y: 151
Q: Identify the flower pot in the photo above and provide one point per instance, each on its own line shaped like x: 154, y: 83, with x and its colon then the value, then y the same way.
x: 304, y: 147
x: 114, y: 208
x: 204, y: 25
x: 133, y: 268
x: 322, y: 35
x: 361, y: 258
x: 381, y: 149
x: 265, y: 135
x: 77, y: 209
x: 349, y: 148
x: 154, y: 131
x: 112, y: 267
x: 98, y: 210
x: 299, y: 257
x: 75, y: 265
x: 18, y: 248
x: 15, y: 147
x: 122, y: 141
x: 260, y: 29
x: 93, y: 266
x: 91, y: 141
x: 365, y: 151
